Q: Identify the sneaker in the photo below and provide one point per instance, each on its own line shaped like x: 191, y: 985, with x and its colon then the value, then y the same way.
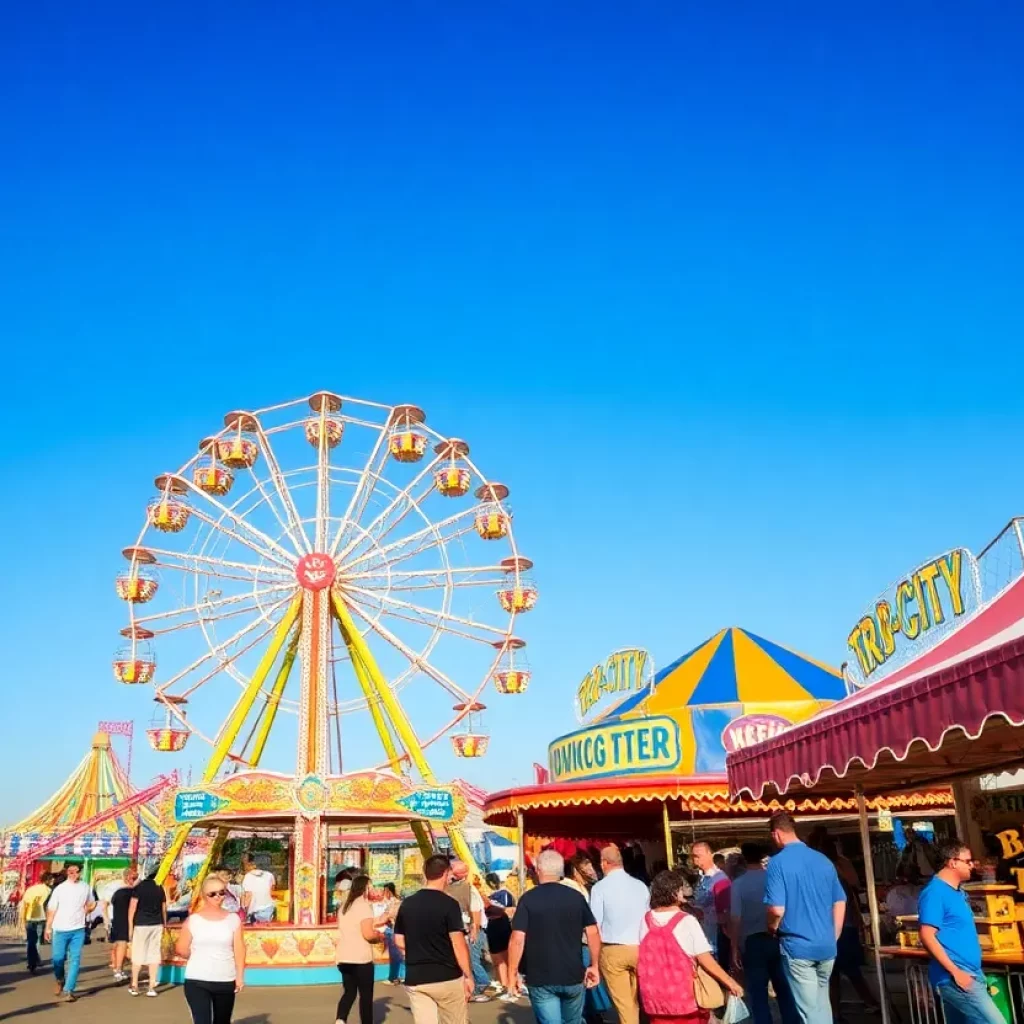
x: 152, y: 993
x: 507, y: 997
x: 133, y: 991
x: 497, y: 986
x: 69, y: 997
x: 481, y: 997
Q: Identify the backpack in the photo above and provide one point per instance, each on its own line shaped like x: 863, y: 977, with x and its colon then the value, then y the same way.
x: 664, y: 973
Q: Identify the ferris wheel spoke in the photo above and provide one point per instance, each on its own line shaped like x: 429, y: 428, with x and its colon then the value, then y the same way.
x: 323, y: 481
x: 268, y: 500
x: 187, y: 562
x: 426, y: 537
x: 211, y: 605
x: 217, y: 650
x: 431, y: 616
x: 411, y: 656
x: 364, y: 488
x: 245, y: 534
x: 403, y: 501
x: 430, y: 579
x: 297, y: 531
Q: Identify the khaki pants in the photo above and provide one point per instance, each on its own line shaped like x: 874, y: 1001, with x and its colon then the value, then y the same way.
x: 618, y: 969
x: 442, y: 1002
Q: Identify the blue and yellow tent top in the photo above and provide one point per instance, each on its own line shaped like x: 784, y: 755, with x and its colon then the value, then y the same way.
x: 732, y: 675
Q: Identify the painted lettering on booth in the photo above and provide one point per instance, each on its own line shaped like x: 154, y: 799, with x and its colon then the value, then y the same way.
x: 646, y: 745
x: 915, y: 606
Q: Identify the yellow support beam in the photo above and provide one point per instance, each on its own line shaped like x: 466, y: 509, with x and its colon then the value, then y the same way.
x: 274, y: 700
x: 234, y: 724
x: 398, y: 718
x: 395, y: 756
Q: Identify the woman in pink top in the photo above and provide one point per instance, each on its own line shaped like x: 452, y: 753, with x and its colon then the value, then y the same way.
x: 355, y: 940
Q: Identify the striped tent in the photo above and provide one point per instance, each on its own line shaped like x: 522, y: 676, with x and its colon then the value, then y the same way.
x: 733, y: 677
x: 97, y: 784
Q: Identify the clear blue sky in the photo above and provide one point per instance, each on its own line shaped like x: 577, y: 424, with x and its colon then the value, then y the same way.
x: 729, y: 294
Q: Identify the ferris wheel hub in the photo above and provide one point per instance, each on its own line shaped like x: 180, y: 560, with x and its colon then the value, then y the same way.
x: 315, y: 571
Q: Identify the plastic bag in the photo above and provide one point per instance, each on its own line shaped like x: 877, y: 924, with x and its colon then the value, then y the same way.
x: 735, y: 1011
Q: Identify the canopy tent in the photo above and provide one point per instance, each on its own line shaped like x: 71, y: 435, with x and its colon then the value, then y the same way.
x: 631, y: 809
x: 733, y: 674
x: 957, y: 711
x: 96, y: 785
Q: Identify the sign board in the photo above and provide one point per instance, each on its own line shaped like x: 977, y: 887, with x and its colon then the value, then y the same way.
x: 196, y: 804
x: 435, y: 804
x: 912, y: 616
x: 747, y: 730
x: 626, y: 671
x: 632, y: 747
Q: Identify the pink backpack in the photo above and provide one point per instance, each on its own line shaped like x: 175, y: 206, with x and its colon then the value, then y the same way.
x: 664, y: 973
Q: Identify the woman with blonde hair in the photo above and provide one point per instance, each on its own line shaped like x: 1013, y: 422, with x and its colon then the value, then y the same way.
x: 212, y: 943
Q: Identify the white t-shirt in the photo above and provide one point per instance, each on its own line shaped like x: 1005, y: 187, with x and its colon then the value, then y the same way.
x: 261, y: 885
x: 212, y: 955
x: 688, y: 933
x: 68, y: 902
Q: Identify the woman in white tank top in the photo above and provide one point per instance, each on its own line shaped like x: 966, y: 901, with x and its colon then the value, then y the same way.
x: 212, y: 943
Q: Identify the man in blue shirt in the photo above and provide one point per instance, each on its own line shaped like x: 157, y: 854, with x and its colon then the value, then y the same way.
x: 948, y: 933
x: 806, y: 906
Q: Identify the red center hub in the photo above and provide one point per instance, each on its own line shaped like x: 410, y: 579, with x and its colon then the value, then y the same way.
x: 315, y: 571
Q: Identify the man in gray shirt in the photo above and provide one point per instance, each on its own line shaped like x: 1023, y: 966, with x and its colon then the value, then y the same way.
x: 753, y: 946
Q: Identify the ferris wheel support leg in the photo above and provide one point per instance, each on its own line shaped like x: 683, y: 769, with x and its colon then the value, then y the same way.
x: 374, y: 702
x: 400, y: 721
x: 273, y: 704
x: 212, y: 858
x: 234, y: 725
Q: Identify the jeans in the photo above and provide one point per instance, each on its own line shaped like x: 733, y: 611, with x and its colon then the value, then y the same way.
x: 974, y: 1006
x: 395, y: 958
x: 808, y: 983
x: 33, y: 933
x: 262, y: 916
x: 762, y: 963
x: 476, y: 959
x: 68, y: 945
x: 557, y: 1004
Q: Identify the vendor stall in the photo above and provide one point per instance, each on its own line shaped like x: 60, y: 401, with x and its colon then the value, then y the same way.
x: 647, y: 764
x: 937, y: 681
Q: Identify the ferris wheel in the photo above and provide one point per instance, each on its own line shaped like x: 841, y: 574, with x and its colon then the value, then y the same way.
x: 335, y: 559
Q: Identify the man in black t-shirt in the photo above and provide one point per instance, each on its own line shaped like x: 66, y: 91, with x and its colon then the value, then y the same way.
x: 548, y: 926
x: 147, y: 918
x: 429, y: 931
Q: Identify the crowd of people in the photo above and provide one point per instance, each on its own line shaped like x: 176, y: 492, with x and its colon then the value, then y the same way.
x: 583, y: 938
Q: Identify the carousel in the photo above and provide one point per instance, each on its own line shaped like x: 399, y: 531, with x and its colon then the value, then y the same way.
x: 647, y: 764
x: 331, y: 585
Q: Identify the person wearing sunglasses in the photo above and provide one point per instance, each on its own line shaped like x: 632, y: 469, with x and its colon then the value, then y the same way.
x: 949, y: 935
x: 212, y: 943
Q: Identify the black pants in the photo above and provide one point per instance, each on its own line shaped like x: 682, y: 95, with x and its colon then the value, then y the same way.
x: 33, y: 933
x: 357, y: 979
x: 210, y: 1002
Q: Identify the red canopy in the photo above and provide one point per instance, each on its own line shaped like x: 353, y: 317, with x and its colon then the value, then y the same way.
x: 957, y: 711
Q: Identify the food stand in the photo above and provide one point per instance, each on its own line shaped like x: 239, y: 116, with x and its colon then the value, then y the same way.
x: 647, y: 763
x: 947, y: 706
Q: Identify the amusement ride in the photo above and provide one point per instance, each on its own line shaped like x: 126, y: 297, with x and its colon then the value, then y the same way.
x: 338, y: 564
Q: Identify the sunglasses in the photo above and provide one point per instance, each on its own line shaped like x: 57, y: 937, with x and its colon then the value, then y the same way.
x: 213, y: 893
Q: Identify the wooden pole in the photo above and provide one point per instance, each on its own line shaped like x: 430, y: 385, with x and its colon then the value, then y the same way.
x: 869, y: 870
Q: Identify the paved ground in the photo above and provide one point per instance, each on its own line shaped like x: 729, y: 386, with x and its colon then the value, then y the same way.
x: 23, y: 997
